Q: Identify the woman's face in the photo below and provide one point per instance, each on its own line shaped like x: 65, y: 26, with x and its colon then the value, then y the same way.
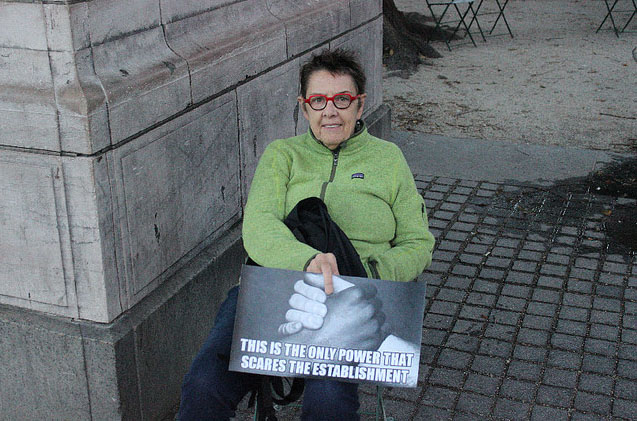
x: 331, y: 125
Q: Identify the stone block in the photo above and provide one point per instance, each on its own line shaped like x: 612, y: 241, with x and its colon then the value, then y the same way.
x: 174, y: 10
x: 111, y: 371
x: 131, y: 369
x: 66, y: 26
x: 97, y: 282
x: 52, y: 100
x: 36, y: 266
x: 367, y: 42
x: 309, y: 23
x: 168, y: 339
x: 81, y: 103
x: 27, y: 101
x: 144, y: 80
x: 22, y: 26
x: 42, y: 374
x: 221, y: 55
x: 364, y: 10
x: 379, y: 124
x: 268, y: 110
x: 174, y: 188
x: 112, y: 19
x: 57, y: 249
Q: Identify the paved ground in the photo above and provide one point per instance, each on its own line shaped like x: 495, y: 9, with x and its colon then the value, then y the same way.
x: 531, y: 307
x: 557, y: 82
x: 531, y: 303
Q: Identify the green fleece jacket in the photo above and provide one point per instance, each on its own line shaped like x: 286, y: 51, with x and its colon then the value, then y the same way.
x: 369, y: 192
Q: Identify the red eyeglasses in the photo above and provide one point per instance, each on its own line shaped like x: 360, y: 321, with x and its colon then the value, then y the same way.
x: 341, y: 101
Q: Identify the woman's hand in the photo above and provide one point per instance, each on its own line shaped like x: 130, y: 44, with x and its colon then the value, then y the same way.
x: 325, y: 263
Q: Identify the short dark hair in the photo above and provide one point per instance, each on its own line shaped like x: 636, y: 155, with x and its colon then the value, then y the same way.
x: 337, y: 62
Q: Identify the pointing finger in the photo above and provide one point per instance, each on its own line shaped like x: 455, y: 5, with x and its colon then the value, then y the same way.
x: 326, y: 269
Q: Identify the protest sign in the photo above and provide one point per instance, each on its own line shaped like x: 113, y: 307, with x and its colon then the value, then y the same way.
x: 354, y: 343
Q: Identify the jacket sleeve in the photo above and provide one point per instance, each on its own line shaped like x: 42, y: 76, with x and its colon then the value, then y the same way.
x: 267, y: 240
x: 412, y: 246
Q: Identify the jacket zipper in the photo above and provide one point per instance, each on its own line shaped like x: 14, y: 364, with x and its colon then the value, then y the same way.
x: 333, y: 173
x: 374, y: 269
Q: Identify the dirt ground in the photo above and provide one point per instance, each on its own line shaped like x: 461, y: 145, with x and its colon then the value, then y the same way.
x: 557, y: 82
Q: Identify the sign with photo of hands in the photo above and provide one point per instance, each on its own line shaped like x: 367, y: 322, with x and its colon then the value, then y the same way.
x: 367, y: 331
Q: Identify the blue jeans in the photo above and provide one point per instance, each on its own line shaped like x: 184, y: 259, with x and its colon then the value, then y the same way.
x: 211, y: 392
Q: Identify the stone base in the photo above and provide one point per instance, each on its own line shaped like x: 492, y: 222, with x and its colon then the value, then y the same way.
x: 132, y: 368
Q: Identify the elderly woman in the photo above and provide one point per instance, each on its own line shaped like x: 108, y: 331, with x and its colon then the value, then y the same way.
x: 369, y: 193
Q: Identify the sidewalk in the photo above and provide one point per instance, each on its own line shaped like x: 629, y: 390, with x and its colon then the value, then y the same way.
x: 531, y: 307
x: 557, y: 82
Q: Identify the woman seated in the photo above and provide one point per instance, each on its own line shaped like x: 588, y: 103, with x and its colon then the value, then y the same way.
x: 370, y: 194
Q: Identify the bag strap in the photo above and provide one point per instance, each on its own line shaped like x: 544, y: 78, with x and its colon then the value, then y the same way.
x: 297, y: 385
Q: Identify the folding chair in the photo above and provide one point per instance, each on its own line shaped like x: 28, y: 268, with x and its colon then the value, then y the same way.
x: 379, y: 411
x: 502, y: 4
x: 461, y: 15
x: 609, y: 15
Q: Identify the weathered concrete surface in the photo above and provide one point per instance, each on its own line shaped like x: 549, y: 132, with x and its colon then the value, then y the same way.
x: 497, y: 161
x: 32, y: 376
x: 129, y: 132
x: 165, y: 157
x: 142, y: 77
x: 379, y: 122
x: 173, y: 189
x: 27, y: 100
x: 365, y: 41
x: 220, y: 55
x: 263, y: 101
x: 309, y: 23
x: 54, y: 368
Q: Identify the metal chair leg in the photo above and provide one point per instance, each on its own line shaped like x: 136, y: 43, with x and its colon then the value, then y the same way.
x: 609, y: 15
x: 501, y: 14
x: 380, y: 406
x: 439, y: 23
x: 380, y: 413
x: 475, y: 18
x: 631, y: 16
x: 462, y: 22
x: 463, y: 18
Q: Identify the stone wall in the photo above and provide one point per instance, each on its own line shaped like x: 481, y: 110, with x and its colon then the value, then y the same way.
x: 129, y: 133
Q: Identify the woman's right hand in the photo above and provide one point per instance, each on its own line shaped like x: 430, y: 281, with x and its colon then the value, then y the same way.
x: 325, y: 263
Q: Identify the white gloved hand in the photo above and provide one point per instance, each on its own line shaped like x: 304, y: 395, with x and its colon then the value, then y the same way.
x: 307, y: 303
